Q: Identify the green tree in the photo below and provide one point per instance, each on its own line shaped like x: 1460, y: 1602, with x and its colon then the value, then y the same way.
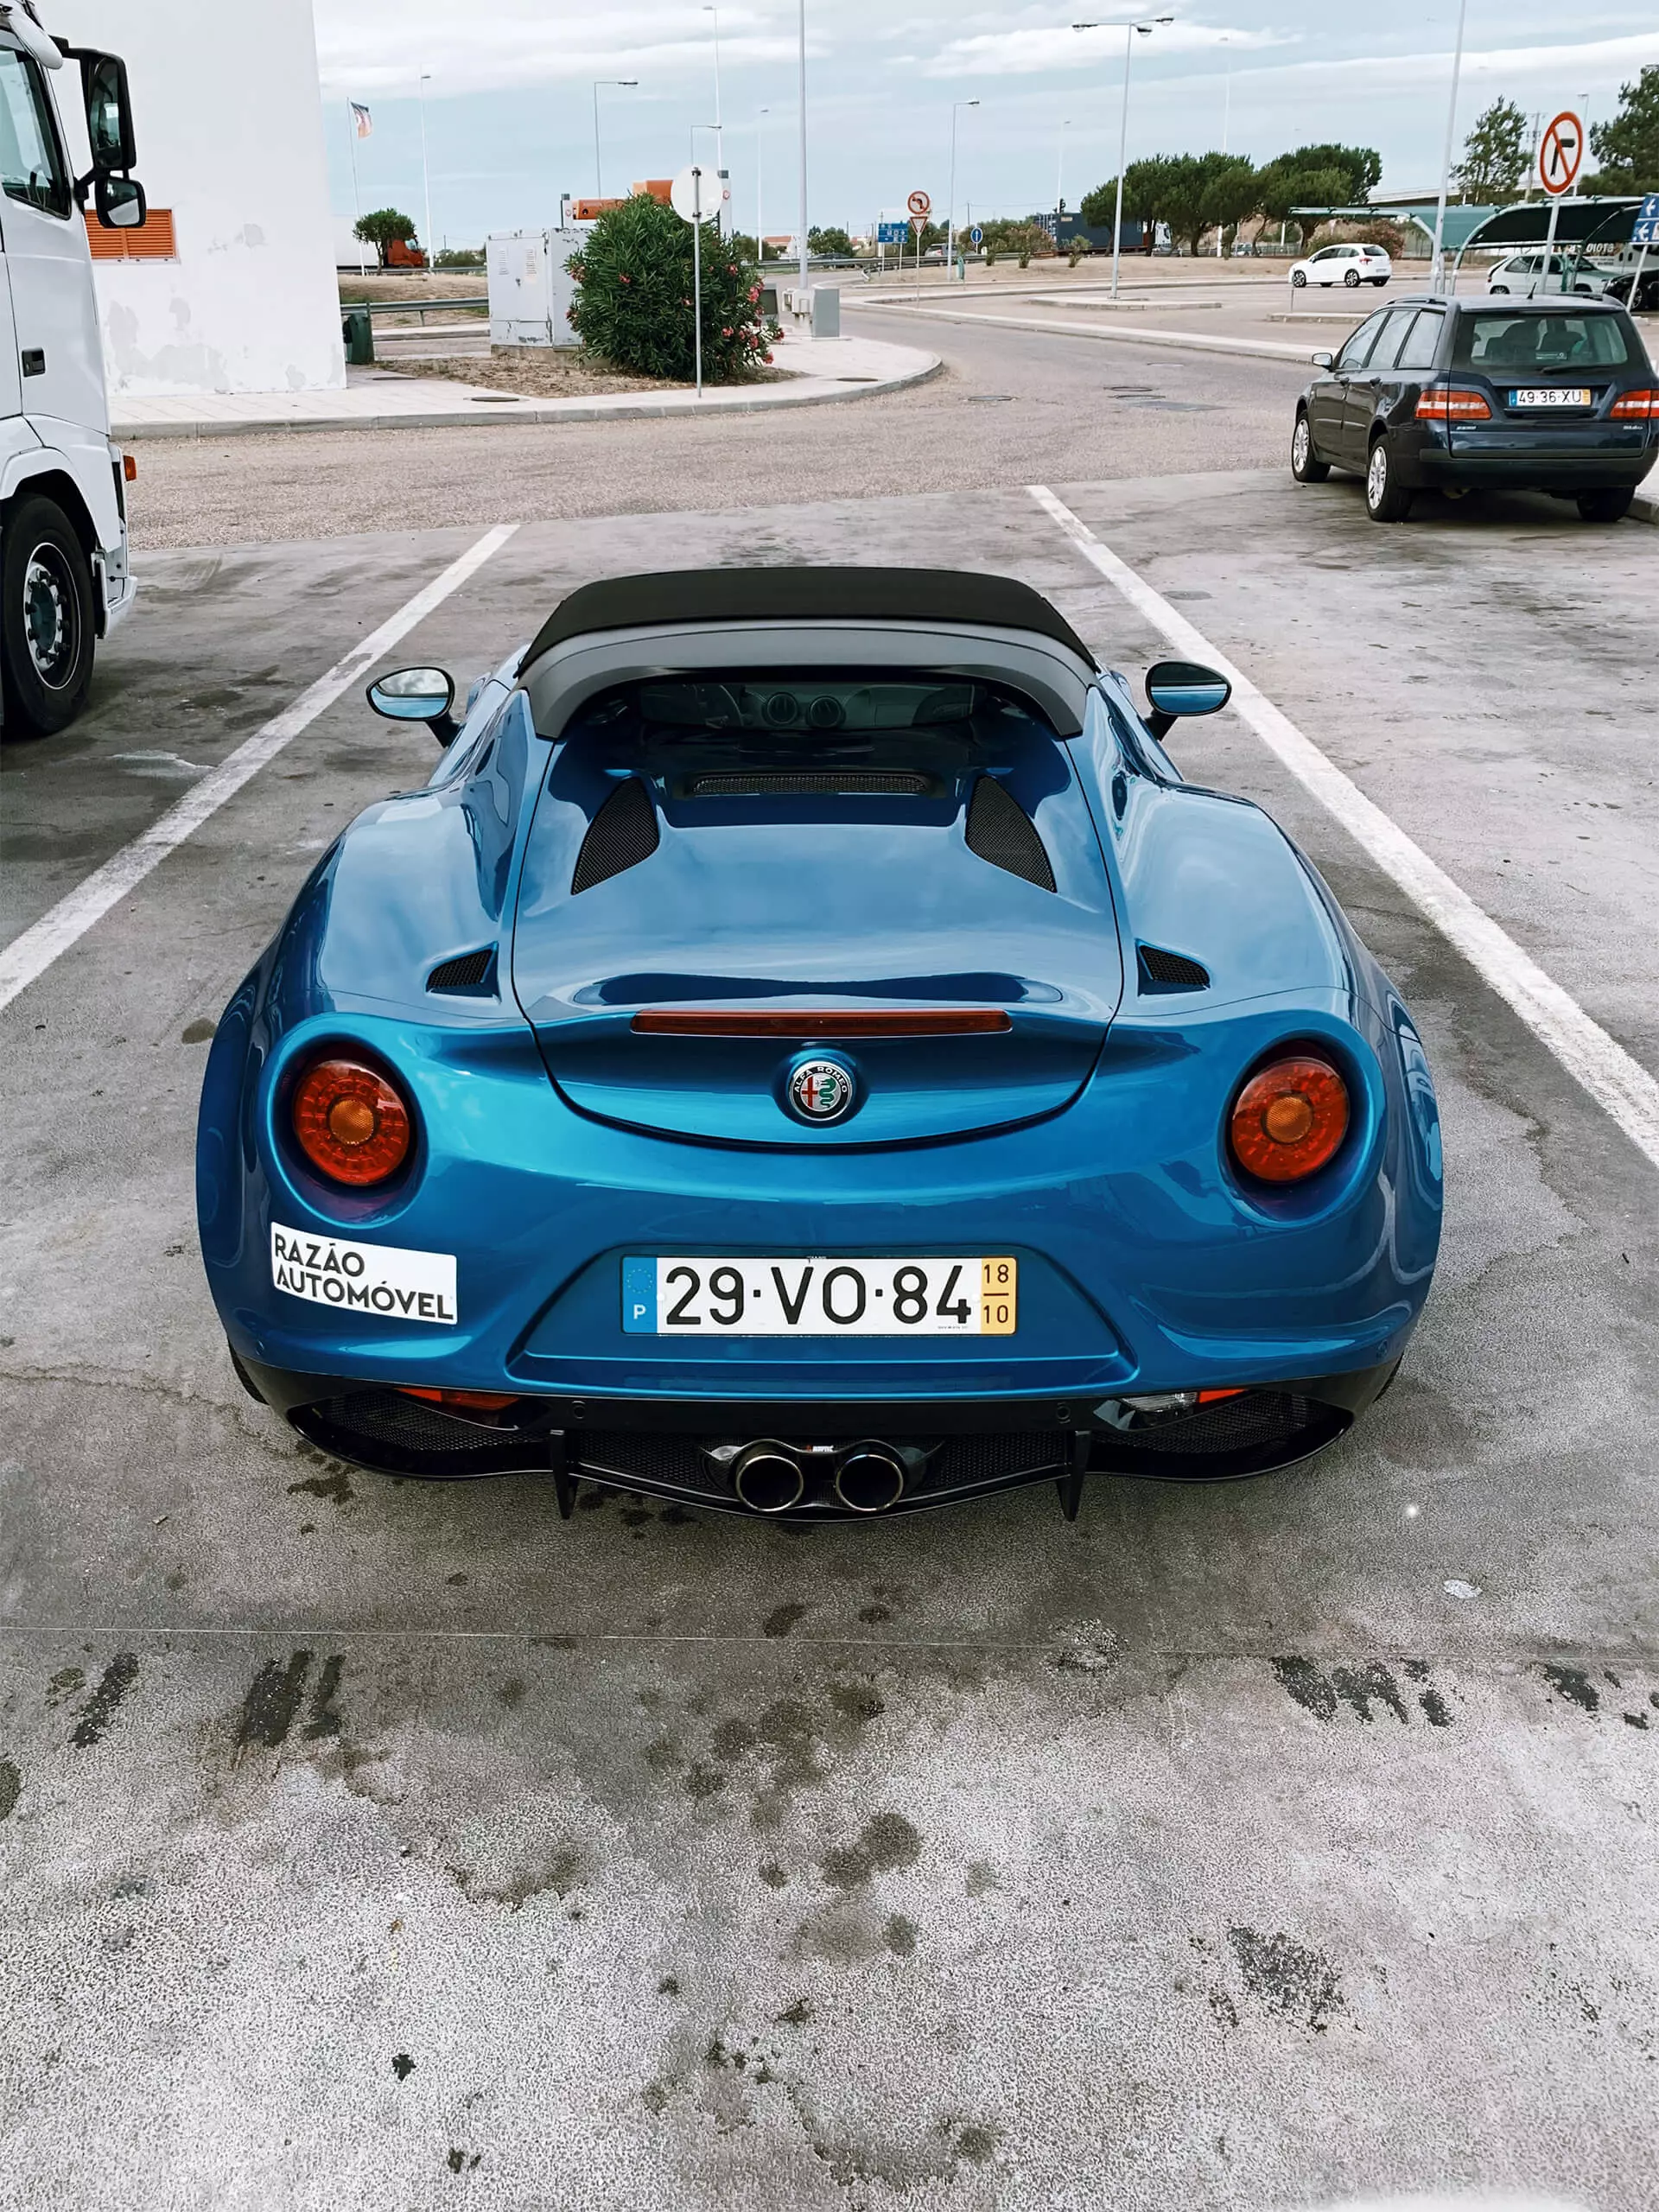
x: 635, y: 301
x: 381, y: 228
x: 832, y: 240
x: 1147, y: 186
x: 1284, y: 186
x: 1495, y: 155
x: 1629, y: 145
x: 1233, y: 193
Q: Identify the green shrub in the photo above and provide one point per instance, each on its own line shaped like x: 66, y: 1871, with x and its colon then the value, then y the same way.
x: 635, y: 301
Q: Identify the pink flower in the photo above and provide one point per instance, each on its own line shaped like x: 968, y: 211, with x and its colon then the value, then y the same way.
x: 754, y: 291
x: 766, y: 357
x: 726, y: 330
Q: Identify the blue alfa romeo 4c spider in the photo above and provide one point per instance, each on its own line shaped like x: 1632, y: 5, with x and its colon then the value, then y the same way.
x: 806, y: 1050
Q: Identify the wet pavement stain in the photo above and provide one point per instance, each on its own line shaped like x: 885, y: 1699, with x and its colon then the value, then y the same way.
x: 403, y: 2065
x: 887, y: 1842
x: 11, y: 1788
x: 273, y: 1701
x: 1574, y: 1685
x: 781, y: 1620
x: 1286, y: 1977
x: 335, y: 1485
x: 97, y: 1714
x: 1361, y: 1689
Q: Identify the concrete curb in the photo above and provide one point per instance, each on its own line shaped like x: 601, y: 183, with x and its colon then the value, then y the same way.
x: 1177, y: 341
x: 624, y: 407
x: 1646, y: 508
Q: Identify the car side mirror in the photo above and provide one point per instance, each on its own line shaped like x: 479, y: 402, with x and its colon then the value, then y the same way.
x: 1323, y: 361
x: 1176, y: 688
x: 120, y: 202
x: 418, y: 694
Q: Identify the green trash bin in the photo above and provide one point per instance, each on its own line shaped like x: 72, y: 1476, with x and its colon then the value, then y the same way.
x: 358, y: 329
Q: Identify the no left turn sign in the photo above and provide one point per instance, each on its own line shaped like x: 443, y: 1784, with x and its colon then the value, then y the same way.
x: 1561, y: 154
x: 919, y: 204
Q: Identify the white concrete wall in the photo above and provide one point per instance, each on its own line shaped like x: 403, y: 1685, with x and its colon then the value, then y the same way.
x: 229, y: 126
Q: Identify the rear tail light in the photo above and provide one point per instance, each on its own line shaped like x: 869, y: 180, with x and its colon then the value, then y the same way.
x: 351, y: 1123
x: 1635, y: 407
x: 1446, y: 405
x: 1288, y: 1119
x: 464, y: 1402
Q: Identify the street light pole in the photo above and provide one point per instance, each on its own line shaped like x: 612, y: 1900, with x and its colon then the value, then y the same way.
x: 802, y: 241
x: 1059, y: 180
x: 1437, y: 271
x: 598, y: 175
x: 1131, y: 32
x: 719, y: 127
x: 1226, y: 130
x: 426, y: 179
x: 760, y: 179
x: 950, y: 207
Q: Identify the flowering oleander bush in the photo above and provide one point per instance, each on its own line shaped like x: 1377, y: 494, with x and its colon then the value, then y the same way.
x: 633, y: 306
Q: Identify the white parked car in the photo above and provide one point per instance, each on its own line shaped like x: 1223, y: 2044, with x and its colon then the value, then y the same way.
x: 1352, y: 265
x: 1523, y: 273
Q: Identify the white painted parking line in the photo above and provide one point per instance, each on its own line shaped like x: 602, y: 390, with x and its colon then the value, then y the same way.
x: 29, y: 956
x: 1619, y: 1084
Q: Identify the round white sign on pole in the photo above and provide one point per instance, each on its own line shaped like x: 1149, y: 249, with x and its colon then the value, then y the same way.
x: 1561, y: 154
x: 919, y: 204
x: 694, y: 193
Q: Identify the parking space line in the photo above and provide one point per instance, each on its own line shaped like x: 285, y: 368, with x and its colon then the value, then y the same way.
x: 29, y: 955
x: 1619, y: 1084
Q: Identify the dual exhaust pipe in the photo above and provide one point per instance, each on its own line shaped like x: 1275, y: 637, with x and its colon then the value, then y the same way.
x: 772, y: 1477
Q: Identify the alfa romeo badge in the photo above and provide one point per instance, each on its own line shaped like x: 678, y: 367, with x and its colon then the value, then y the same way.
x: 821, y: 1090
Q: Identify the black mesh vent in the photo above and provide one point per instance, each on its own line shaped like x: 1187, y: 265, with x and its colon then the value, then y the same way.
x: 381, y: 1417
x: 1242, y: 1424
x: 810, y: 780
x: 1001, y: 831
x: 622, y: 834
x: 646, y: 1455
x: 995, y: 1457
x: 471, y: 972
x: 1171, y: 970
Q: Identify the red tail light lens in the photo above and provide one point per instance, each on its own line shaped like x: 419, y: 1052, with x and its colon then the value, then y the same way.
x: 1289, y: 1120
x: 350, y: 1123
x: 1635, y: 407
x: 466, y: 1401
x: 1446, y: 405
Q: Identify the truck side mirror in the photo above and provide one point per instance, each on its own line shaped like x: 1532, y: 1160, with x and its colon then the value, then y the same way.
x: 108, y: 111
x: 120, y: 202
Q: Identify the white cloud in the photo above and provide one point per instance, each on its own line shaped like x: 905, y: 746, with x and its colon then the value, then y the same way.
x: 1045, y: 49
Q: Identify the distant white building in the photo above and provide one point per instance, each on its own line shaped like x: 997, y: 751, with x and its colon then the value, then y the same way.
x: 230, y: 286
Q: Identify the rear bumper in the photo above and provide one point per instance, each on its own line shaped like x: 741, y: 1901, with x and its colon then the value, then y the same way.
x: 1588, y: 469
x: 954, y: 1448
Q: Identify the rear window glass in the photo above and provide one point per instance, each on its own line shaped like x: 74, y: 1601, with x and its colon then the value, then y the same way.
x: 1502, y: 342
x: 773, y: 730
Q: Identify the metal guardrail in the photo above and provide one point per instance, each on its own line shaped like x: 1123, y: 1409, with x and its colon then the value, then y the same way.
x: 422, y: 308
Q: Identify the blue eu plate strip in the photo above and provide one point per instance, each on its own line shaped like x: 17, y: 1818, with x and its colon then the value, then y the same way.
x: 639, y: 1297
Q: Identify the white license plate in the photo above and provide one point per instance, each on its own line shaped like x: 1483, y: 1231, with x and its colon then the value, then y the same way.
x: 820, y: 1298
x: 1550, y: 394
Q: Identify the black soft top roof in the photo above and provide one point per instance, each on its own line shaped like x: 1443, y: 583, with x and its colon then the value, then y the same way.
x: 806, y: 594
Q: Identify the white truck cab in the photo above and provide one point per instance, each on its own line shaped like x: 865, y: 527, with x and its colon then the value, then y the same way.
x: 65, y: 579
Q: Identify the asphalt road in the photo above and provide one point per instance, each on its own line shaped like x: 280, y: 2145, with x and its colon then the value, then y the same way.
x: 371, y: 1844
x: 1006, y: 410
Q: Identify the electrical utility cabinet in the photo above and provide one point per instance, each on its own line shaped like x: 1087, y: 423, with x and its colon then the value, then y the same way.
x: 529, y: 291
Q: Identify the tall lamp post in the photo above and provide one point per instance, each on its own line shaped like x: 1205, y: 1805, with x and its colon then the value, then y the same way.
x: 760, y: 180
x: 1059, y: 180
x: 1437, y: 270
x: 802, y: 241
x: 426, y: 179
x: 719, y: 127
x: 599, y: 173
x: 1226, y: 130
x: 1131, y: 32
x: 950, y: 208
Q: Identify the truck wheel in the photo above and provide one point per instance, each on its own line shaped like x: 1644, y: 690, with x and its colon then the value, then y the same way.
x: 46, y: 618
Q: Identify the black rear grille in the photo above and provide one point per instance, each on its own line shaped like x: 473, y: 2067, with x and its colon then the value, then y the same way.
x: 471, y: 971
x: 1170, y: 970
x: 961, y: 1461
x: 397, y: 1435
x: 384, y: 1417
x: 811, y: 781
x: 1242, y: 1424
x: 622, y: 834
x: 1001, y: 831
x: 642, y: 1455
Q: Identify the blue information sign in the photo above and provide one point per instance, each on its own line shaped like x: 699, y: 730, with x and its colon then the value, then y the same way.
x: 891, y: 234
x: 1647, y: 222
x: 976, y: 237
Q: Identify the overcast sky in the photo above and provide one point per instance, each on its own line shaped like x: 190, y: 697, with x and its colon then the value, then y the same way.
x: 509, y: 115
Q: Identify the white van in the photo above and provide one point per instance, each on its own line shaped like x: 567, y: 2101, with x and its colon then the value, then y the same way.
x: 64, y: 575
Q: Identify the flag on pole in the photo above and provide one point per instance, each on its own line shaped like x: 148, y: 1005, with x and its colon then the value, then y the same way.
x: 362, y: 118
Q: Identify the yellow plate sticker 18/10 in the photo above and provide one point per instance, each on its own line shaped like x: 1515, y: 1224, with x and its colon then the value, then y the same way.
x: 999, y: 1297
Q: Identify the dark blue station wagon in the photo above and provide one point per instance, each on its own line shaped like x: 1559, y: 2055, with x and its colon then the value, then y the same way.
x: 1542, y: 395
